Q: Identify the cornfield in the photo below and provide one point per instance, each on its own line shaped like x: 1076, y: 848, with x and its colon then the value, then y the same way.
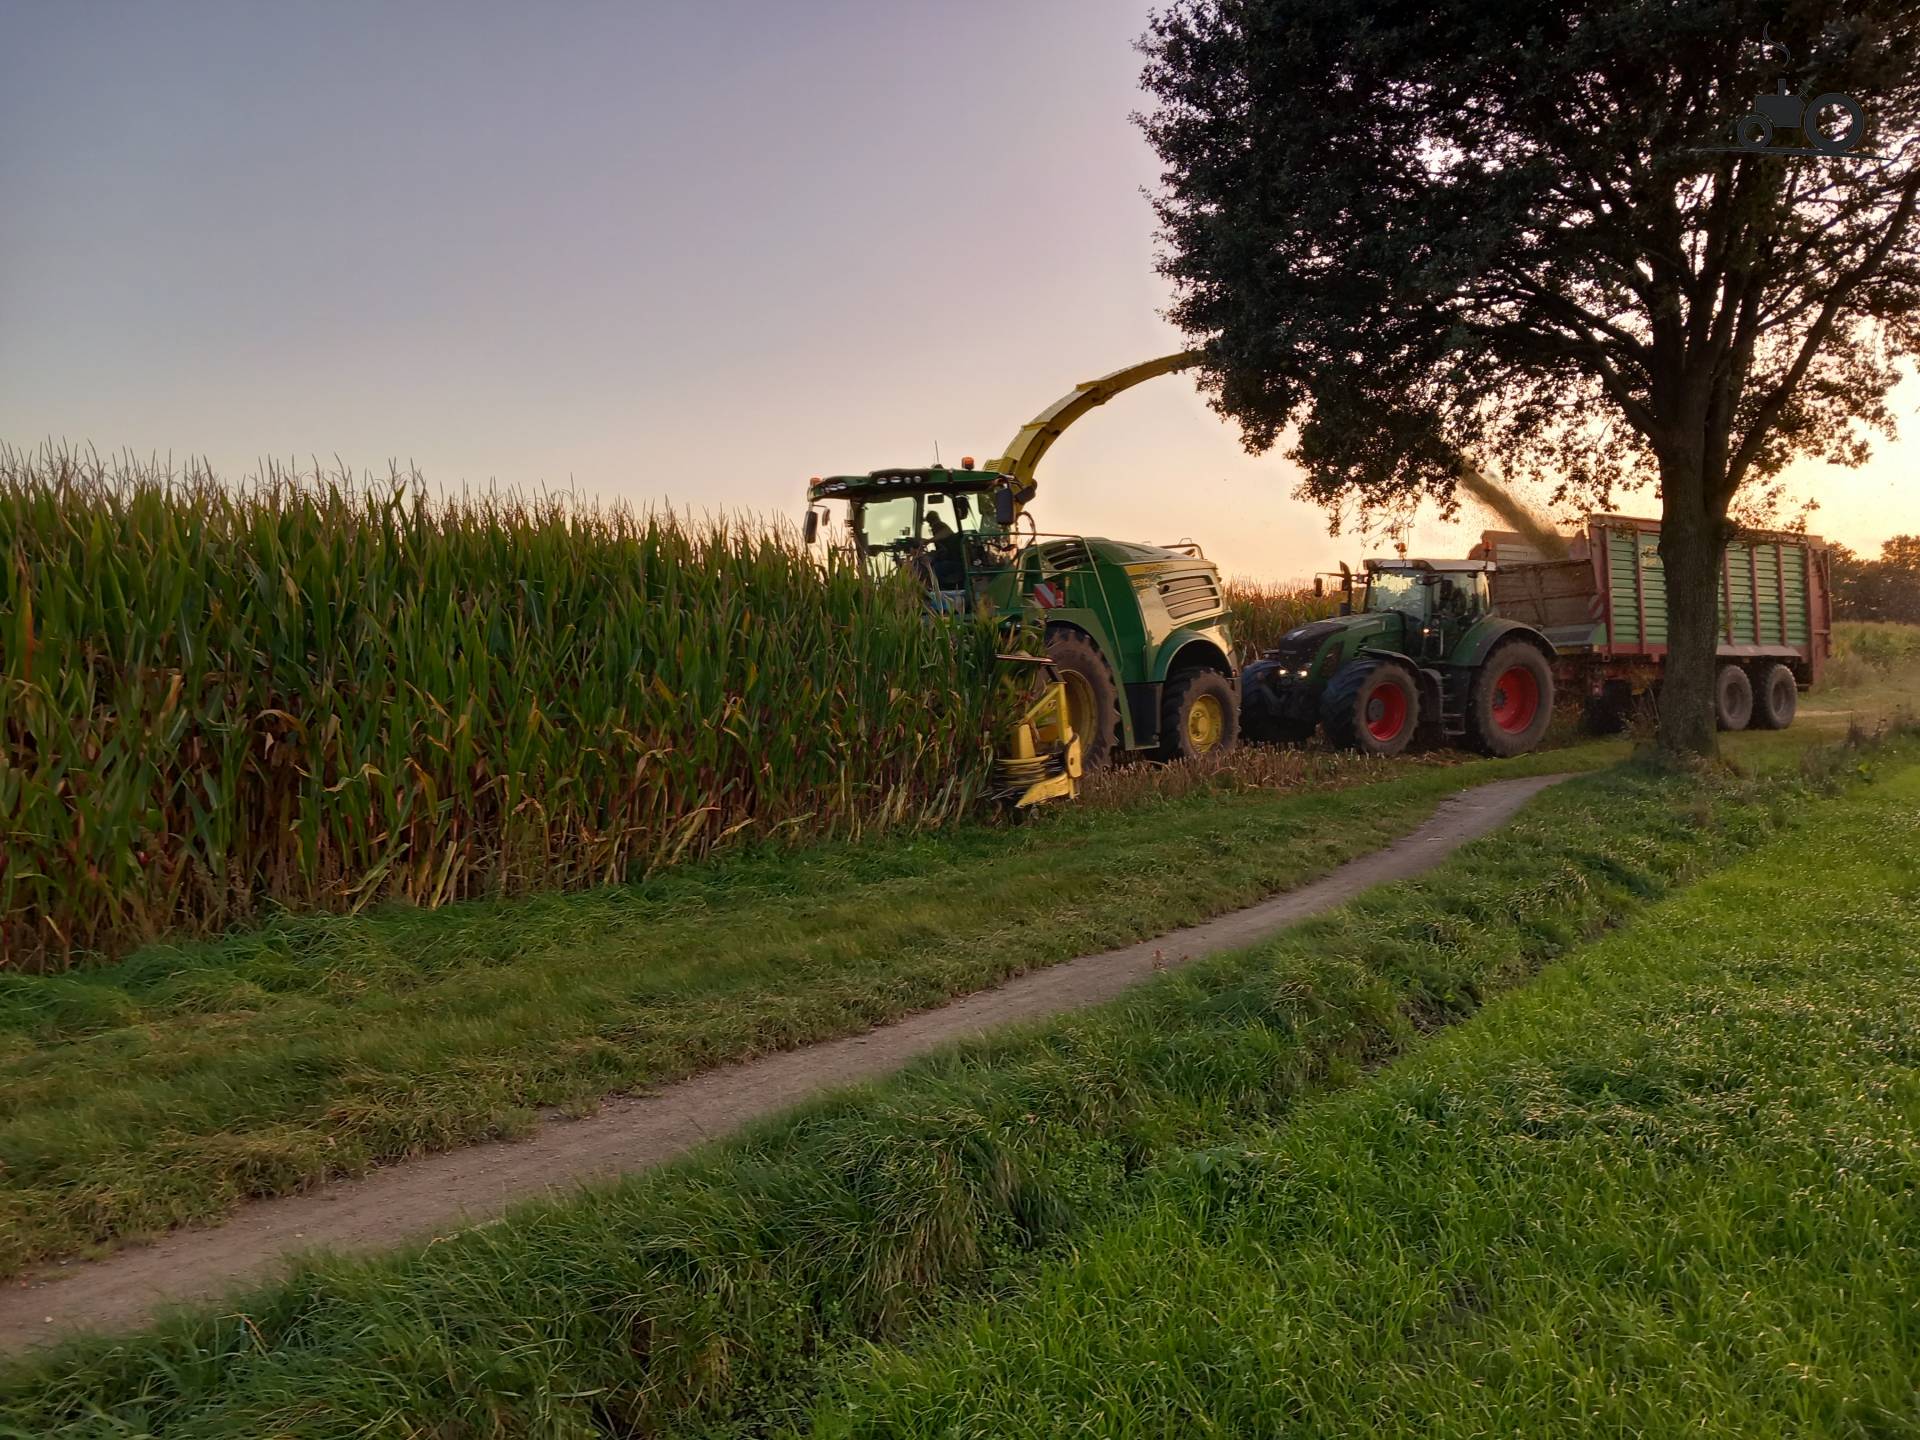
x: 1263, y: 612
x: 215, y: 701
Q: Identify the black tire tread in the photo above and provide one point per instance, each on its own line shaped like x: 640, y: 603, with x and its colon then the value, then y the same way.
x: 1482, y: 733
x: 1340, y: 710
x: 1069, y: 649
x: 1725, y: 718
x: 1765, y: 715
x: 1173, y: 711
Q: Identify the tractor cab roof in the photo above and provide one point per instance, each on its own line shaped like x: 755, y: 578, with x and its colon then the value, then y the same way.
x: 881, y: 483
x: 1437, y: 567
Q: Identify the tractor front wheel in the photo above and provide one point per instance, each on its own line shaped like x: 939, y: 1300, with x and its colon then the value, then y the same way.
x: 1372, y: 706
x: 1093, y: 700
x: 1511, y: 701
x: 1199, y: 715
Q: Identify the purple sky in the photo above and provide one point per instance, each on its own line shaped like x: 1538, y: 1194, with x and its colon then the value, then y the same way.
x: 690, y: 252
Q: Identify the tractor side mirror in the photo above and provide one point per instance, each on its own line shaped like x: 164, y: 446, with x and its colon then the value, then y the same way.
x: 1319, y: 584
x: 810, y: 527
x: 1003, y: 507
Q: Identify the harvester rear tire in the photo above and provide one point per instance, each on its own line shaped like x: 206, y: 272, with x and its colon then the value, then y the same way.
x: 1371, y: 705
x: 1090, y: 686
x: 1776, y: 698
x: 1732, y: 698
x: 1510, y: 703
x: 1183, y: 696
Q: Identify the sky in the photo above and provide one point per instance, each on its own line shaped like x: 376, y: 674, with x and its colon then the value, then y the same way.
x: 674, y: 252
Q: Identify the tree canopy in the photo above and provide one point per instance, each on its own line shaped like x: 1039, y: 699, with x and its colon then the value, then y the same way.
x: 1523, y: 237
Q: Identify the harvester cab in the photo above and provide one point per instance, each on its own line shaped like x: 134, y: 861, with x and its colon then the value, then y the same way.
x: 1137, y: 651
x: 1421, y: 653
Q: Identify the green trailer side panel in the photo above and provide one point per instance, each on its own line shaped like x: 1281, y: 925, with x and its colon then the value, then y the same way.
x: 1769, y: 593
x: 1764, y: 566
x: 1795, y: 584
x: 1623, y: 584
x: 1736, y: 590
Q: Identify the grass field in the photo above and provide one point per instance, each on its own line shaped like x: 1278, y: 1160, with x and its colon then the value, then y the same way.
x: 1875, y: 668
x: 717, y: 1296
x: 1667, y: 1190
x: 167, y: 1087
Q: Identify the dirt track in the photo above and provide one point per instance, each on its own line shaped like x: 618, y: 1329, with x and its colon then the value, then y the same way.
x: 442, y: 1194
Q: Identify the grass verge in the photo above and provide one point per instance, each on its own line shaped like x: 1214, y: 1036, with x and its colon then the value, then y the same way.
x: 716, y: 1293
x: 167, y: 1088
x: 1667, y: 1190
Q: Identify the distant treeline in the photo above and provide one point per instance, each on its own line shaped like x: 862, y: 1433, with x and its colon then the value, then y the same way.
x: 1884, y: 589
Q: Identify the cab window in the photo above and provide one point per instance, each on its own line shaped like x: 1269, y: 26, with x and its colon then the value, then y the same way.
x: 1402, y: 590
x: 1460, y: 596
x: 950, y: 515
x: 880, y: 527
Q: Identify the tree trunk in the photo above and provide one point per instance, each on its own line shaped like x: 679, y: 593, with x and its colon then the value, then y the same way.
x: 1691, y: 546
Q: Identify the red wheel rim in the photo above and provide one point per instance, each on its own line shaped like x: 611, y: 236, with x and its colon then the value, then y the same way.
x: 1516, y: 699
x: 1386, y: 712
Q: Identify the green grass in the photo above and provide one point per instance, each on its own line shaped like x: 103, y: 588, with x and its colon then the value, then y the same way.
x: 1875, y: 666
x: 166, y: 1088
x: 1668, y: 1190
x: 724, y: 1290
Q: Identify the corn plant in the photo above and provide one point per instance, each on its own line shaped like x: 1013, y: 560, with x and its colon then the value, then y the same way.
x: 1263, y: 611
x: 300, y: 692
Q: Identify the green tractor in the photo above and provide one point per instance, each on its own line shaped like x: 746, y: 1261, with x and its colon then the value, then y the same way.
x: 1136, y: 634
x: 1422, y: 655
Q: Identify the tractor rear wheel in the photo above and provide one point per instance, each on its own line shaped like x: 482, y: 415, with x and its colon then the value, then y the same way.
x: 1093, y: 700
x: 1776, y: 698
x: 1511, y: 700
x: 1732, y: 698
x: 1372, y: 706
x: 1199, y: 715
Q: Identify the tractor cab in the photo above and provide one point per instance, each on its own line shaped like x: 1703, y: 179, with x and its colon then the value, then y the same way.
x: 1437, y: 600
x: 945, y: 526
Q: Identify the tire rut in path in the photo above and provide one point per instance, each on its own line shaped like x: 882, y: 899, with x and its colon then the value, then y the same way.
x: 443, y: 1194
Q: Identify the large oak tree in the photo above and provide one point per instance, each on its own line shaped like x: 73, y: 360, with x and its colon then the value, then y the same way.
x: 1517, y: 237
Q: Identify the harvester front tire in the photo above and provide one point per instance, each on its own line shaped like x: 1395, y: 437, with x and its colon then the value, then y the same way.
x: 1732, y: 698
x: 1372, y: 706
x: 1776, y: 698
x: 1510, y: 703
x: 1199, y: 715
x: 1093, y: 700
